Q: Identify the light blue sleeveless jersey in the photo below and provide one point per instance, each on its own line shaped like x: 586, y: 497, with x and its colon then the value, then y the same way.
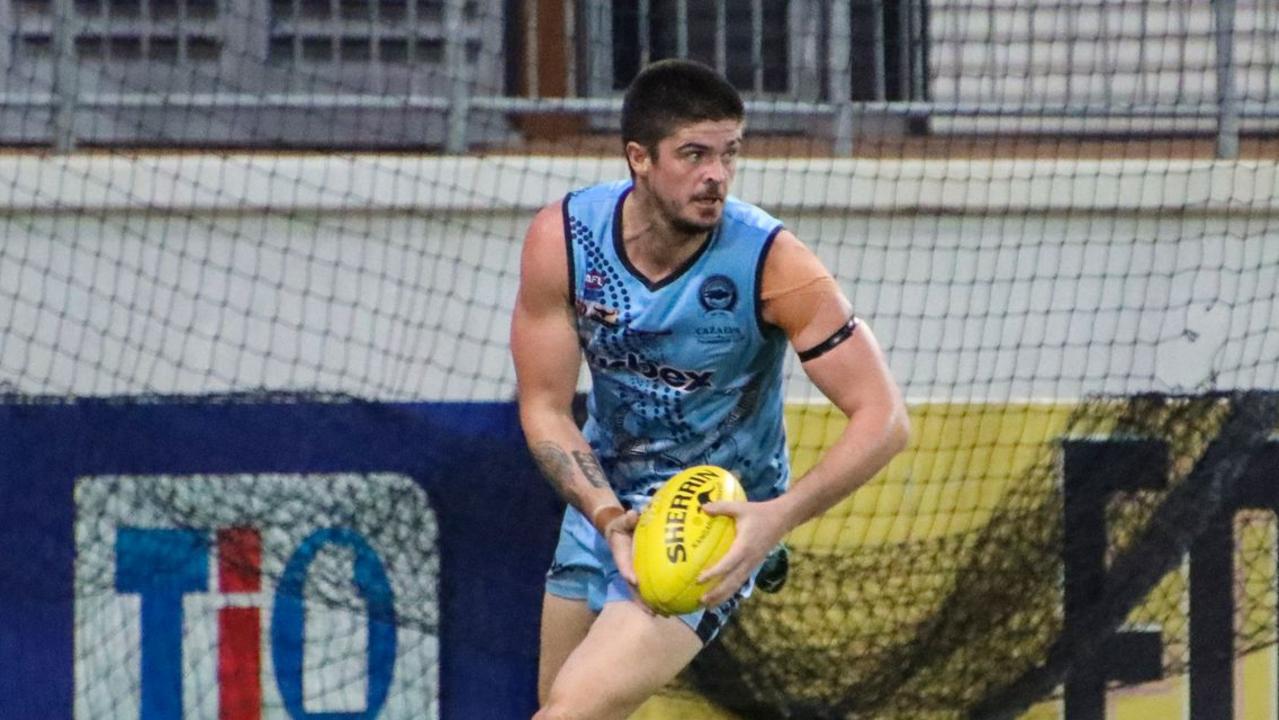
x: 684, y: 370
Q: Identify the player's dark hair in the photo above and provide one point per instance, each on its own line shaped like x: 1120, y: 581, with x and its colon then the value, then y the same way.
x: 671, y: 93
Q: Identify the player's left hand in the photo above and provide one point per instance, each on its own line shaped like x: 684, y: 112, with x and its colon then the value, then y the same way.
x: 759, y: 529
x: 620, y: 534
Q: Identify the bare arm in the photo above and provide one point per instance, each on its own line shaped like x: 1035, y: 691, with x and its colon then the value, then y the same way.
x: 853, y: 375
x: 547, y: 359
x: 808, y: 305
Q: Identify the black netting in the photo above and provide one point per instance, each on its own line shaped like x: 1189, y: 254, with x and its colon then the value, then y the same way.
x: 1061, y: 221
x: 974, y: 624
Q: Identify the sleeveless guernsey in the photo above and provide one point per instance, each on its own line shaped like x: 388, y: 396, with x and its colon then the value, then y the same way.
x: 683, y: 369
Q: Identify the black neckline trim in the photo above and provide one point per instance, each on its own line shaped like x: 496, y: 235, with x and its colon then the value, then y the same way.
x: 620, y: 249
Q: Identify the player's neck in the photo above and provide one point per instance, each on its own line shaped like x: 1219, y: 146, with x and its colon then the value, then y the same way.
x: 653, y: 245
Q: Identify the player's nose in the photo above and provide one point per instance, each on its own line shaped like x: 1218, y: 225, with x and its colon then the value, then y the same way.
x: 715, y: 174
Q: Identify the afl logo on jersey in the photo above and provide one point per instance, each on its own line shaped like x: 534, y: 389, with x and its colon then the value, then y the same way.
x: 593, y: 284
x: 717, y: 293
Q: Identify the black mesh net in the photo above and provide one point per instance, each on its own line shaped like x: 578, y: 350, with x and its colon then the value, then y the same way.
x: 1061, y: 221
x: 1088, y: 540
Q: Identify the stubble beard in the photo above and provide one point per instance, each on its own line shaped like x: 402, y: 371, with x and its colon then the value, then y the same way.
x: 690, y: 227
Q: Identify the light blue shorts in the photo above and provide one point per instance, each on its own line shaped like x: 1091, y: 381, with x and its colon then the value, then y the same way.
x: 583, y: 569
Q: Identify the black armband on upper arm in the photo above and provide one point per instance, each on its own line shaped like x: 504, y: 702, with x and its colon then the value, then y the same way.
x: 830, y: 343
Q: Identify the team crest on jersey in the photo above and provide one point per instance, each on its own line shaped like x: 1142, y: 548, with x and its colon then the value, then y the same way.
x: 718, y: 296
x: 717, y: 293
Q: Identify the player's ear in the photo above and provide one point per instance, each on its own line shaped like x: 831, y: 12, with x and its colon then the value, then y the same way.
x: 638, y: 157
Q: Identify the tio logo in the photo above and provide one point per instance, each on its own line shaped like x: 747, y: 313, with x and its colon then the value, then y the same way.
x: 290, y: 604
x: 162, y: 566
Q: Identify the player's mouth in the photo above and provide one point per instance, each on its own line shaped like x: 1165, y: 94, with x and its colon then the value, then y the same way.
x: 709, y: 201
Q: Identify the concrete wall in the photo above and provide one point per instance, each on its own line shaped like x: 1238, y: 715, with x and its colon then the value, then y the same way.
x: 392, y: 277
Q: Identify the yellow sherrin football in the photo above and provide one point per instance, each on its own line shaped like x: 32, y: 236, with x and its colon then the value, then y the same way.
x: 675, y: 539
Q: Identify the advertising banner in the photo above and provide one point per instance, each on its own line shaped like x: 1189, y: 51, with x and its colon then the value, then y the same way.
x: 270, y: 558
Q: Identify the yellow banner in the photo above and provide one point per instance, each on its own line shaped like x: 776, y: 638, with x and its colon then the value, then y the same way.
x: 963, y: 463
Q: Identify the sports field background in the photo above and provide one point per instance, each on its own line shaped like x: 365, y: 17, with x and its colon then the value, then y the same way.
x: 1010, y: 286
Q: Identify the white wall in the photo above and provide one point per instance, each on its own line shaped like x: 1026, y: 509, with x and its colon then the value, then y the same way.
x: 392, y: 277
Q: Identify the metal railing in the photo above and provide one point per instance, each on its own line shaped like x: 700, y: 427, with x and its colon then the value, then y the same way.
x: 465, y: 94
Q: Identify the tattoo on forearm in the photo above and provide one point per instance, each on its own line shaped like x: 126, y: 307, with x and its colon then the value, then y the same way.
x: 591, y: 468
x: 555, y: 465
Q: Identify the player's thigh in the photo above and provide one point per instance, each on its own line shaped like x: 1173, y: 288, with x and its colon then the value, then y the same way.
x: 628, y: 655
x: 565, y: 624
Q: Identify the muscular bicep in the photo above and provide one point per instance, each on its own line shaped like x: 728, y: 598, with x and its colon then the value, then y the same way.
x: 840, y: 353
x: 543, y: 330
x: 800, y: 296
x: 547, y: 360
